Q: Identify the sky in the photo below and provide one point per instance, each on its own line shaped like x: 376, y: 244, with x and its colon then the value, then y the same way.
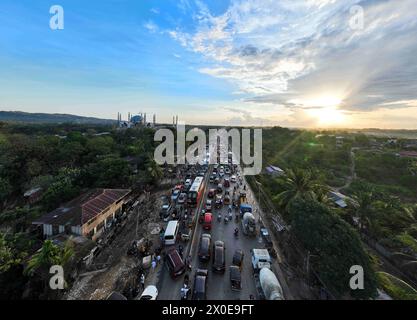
x: 293, y: 63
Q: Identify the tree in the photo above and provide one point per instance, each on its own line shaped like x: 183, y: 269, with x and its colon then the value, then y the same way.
x: 7, y: 259
x: 335, y: 244
x: 5, y: 190
x: 49, y: 255
x: 299, y: 183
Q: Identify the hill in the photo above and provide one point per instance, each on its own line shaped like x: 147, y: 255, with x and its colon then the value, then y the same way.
x: 18, y: 116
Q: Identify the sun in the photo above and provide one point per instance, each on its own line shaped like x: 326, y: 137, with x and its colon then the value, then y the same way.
x: 328, y: 116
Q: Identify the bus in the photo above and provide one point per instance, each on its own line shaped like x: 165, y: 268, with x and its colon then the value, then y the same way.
x: 170, y: 235
x: 196, y: 192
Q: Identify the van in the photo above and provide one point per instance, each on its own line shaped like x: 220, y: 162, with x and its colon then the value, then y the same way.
x: 170, y: 236
x: 175, y: 263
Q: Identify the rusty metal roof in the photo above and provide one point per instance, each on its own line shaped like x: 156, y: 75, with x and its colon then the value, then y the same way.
x: 83, y: 208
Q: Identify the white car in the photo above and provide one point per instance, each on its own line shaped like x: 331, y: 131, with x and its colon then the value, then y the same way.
x: 233, y: 179
x: 150, y: 293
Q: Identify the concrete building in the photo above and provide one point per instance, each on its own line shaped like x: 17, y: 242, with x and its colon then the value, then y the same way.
x: 86, y: 215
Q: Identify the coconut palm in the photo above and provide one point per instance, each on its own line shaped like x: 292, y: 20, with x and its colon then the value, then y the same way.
x: 49, y: 255
x: 300, y: 183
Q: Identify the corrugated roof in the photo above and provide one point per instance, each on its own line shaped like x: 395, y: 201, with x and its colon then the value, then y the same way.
x: 82, y: 209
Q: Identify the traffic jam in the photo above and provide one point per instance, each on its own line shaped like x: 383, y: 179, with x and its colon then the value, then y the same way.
x: 216, y: 247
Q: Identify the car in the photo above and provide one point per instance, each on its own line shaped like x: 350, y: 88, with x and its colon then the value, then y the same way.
x: 200, y: 285
x: 219, y: 201
x: 237, y: 259
x: 212, y: 178
x: 219, y: 257
x: 165, y: 199
x: 226, y: 183
x: 165, y: 211
x: 182, y: 198
x: 211, y: 194
x: 175, y: 194
x: 204, y: 249
x: 150, y: 293
x: 188, y: 184
x: 233, y: 179
x: 175, y: 263
x: 217, y: 181
x: 221, y: 173
x: 208, y: 205
x: 226, y: 200
x: 219, y: 188
x: 227, y: 171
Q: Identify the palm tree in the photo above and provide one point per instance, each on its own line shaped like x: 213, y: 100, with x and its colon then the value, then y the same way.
x: 363, y: 209
x: 154, y: 170
x: 300, y: 183
x: 49, y: 255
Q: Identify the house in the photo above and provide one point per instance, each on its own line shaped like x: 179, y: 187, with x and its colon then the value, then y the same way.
x: 33, y: 195
x: 338, y: 198
x: 274, y: 171
x: 86, y: 215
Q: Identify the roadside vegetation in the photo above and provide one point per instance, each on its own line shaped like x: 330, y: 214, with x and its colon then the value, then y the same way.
x: 64, y: 161
x: 381, y: 208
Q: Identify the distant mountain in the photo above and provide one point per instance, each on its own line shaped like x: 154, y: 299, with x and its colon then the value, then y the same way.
x: 18, y: 116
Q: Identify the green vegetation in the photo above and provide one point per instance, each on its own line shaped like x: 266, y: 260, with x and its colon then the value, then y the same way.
x: 396, y: 288
x: 63, y: 160
x: 335, y: 245
x: 383, y: 196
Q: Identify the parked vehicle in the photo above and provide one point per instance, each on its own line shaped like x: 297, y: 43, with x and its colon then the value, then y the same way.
x: 150, y: 293
x: 204, y: 250
x: 219, y: 257
x: 235, y: 278
x: 200, y: 285
x: 175, y: 263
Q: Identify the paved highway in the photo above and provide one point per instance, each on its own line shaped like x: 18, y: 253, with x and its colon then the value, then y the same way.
x: 218, y: 284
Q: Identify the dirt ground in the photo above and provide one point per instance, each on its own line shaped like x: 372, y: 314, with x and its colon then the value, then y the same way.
x: 115, y: 270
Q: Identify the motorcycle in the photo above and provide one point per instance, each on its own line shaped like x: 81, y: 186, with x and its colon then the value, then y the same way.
x: 236, y: 232
x: 219, y: 217
x: 186, y: 288
x: 226, y: 219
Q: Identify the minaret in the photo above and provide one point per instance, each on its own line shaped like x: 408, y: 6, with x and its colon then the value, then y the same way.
x: 154, y: 119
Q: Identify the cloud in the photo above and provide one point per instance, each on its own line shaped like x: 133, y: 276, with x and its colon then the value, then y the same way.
x: 151, y: 26
x: 280, y: 51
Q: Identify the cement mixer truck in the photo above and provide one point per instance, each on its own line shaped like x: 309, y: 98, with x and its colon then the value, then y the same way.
x: 270, y: 286
x: 266, y: 282
x: 249, y: 224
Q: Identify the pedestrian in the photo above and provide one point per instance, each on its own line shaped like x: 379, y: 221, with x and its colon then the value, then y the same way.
x: 153, y: 264
x: 142, y: 281
x: 251, y: 297
x: 180, y: 250
x: 158, y: 259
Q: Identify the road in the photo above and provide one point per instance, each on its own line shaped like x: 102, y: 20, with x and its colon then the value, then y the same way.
x: 218, y: 284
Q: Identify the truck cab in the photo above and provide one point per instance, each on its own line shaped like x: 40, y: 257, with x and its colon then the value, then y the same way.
x: 260, y: 259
